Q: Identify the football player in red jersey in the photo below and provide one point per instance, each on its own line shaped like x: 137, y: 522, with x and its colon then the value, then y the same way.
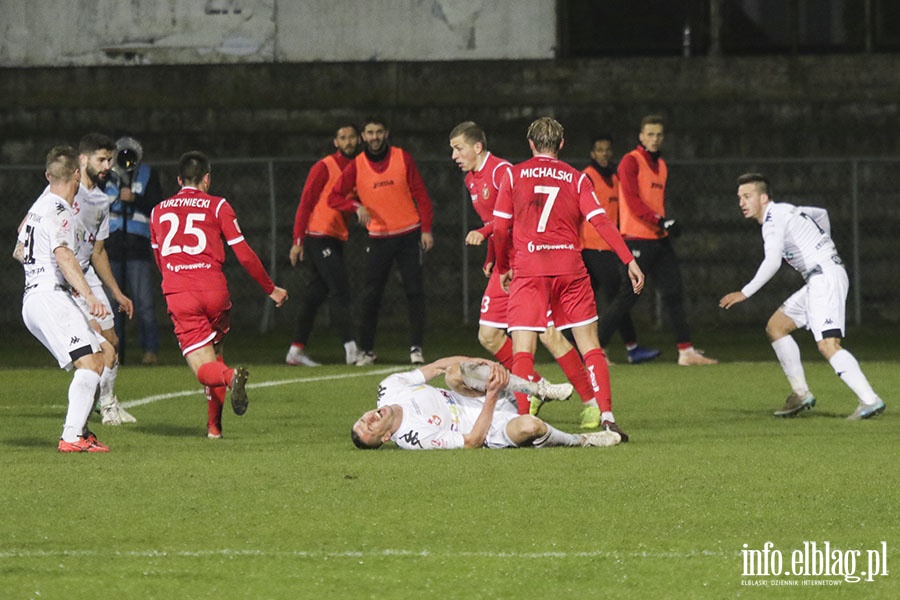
x: 484, y: 173
x: 543, y: 202
x: 188, y: 233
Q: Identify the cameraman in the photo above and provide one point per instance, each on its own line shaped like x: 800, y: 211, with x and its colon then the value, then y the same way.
x: 133, y: 191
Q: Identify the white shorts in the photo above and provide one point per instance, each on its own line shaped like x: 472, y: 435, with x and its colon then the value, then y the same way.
x: 821, y: 304
x: 55, y: 320
x: 504, y: 412
x: 107, y: 322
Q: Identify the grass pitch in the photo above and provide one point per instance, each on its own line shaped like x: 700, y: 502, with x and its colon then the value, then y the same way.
x: 285, y: 507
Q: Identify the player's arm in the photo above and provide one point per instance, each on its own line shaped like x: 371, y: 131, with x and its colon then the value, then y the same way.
x: 100, y: 260
x: 342, y: 197
x: 71, y: 270
x: 440, y: 366
x: 422, y: 200
x: 309, y: 198
x: 497, y: 382
x: 773, y: 245
x: 246, y: 256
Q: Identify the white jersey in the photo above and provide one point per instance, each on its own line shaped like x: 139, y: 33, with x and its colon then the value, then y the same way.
x: 801, y: 235
x: 92, y: 208
x: 51, y: 223
x: 433, y: 418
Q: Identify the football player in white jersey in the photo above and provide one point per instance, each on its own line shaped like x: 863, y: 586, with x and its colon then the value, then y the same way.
x: 478, y: 411
x: 802, y: 236
x: 45, y: 249
x: 92, y: 208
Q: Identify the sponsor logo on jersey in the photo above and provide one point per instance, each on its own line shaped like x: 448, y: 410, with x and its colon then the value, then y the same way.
x: 411, y: 437
x: 532, y: 247
x: 384, y: 183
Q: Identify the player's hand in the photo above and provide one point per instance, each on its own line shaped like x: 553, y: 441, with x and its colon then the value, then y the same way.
x: 670, y: 226
x: 98, y: 310
x: 363, y: 216
x: 729, y: 300
x: 498, y: 379
x: 125, y: 304
x: 475, y: 238
x: 19, y: 252
x: 296, y: 254
x: 279, y: 296
x: 505, y: 280
x: 487, y: 269
x: 636, y: 276
x: 427, y: 241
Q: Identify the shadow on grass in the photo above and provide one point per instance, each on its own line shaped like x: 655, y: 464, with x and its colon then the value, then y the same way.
x: 30, y: 442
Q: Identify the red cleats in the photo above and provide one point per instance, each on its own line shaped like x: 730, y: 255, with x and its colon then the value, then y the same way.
x: 84, y: 444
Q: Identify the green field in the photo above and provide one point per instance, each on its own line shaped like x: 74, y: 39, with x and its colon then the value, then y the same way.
x: 285, y: 507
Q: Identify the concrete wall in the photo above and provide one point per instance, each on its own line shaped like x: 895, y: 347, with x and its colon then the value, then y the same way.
x: 111, y: 32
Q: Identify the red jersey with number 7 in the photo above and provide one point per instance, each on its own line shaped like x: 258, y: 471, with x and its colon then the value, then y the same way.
x: 544, y: 199
x: 188, y: 233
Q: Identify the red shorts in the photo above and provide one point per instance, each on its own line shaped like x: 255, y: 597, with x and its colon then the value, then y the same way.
x: 200, y: 317
x: 494, y: 304
x: 569, y: 298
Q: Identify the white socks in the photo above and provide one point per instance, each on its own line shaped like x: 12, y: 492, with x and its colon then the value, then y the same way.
x: 847, y: 368
x: 555, y: 437
x: 788, y: 354
x: 81, y: 401
x: 107, y: 385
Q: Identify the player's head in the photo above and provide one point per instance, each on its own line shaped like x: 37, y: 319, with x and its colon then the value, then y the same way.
x: 651, y: 135
x: 193, y: 169
x: 373, y: 428
x: 753, y: 195
x: 62, y: 165
x: 375, y: 134
x: 95, y: 152
x: 545, y: 135
x: 346, y: 139
x: 468, y: 145
x: 602, y: 149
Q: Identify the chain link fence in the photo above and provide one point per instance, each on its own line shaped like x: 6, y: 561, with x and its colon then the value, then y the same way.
x: 719, y: 250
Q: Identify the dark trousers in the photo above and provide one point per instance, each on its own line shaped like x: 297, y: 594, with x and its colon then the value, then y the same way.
x: 326, y: 277
x: 406, y: 251
x: 657, y: 260
x: 609, y: 278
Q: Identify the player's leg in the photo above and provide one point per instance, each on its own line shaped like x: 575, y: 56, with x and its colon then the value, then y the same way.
x: 333, y: 270
x: 315, y: 291
x: 571, y: 364
x: 72, y: 342
x: 524, y: 346
x: 380, y: 254
x: 409, y: 263
x: 527, y: 315
x: 791, y: 315
x: 827, y: 316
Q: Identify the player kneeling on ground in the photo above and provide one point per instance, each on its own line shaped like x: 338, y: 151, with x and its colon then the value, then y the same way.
x: 478, y: 411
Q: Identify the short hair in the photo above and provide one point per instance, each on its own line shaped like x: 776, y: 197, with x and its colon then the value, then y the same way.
x: 357, y: 441
x: 547, y: 134
x: 192, y: 167
x: 337, y: 129
x: 93, y: 142
x: 654, y: 119
x: 471, y: 132
x: 374, y: 120
x: 762, y: 184
x: 62, y: 162
x: 601, y: 137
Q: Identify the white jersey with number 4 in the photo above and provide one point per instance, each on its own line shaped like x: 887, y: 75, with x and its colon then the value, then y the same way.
x: 801, y: 235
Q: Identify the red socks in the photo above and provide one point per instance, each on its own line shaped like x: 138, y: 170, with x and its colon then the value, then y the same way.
x: 215, y: 374
x: 523, y: 366
x: 598, y: 370
x: 574, y: 369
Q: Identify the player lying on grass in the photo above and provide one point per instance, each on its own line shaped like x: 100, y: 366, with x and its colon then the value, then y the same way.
x: 479, y: 410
